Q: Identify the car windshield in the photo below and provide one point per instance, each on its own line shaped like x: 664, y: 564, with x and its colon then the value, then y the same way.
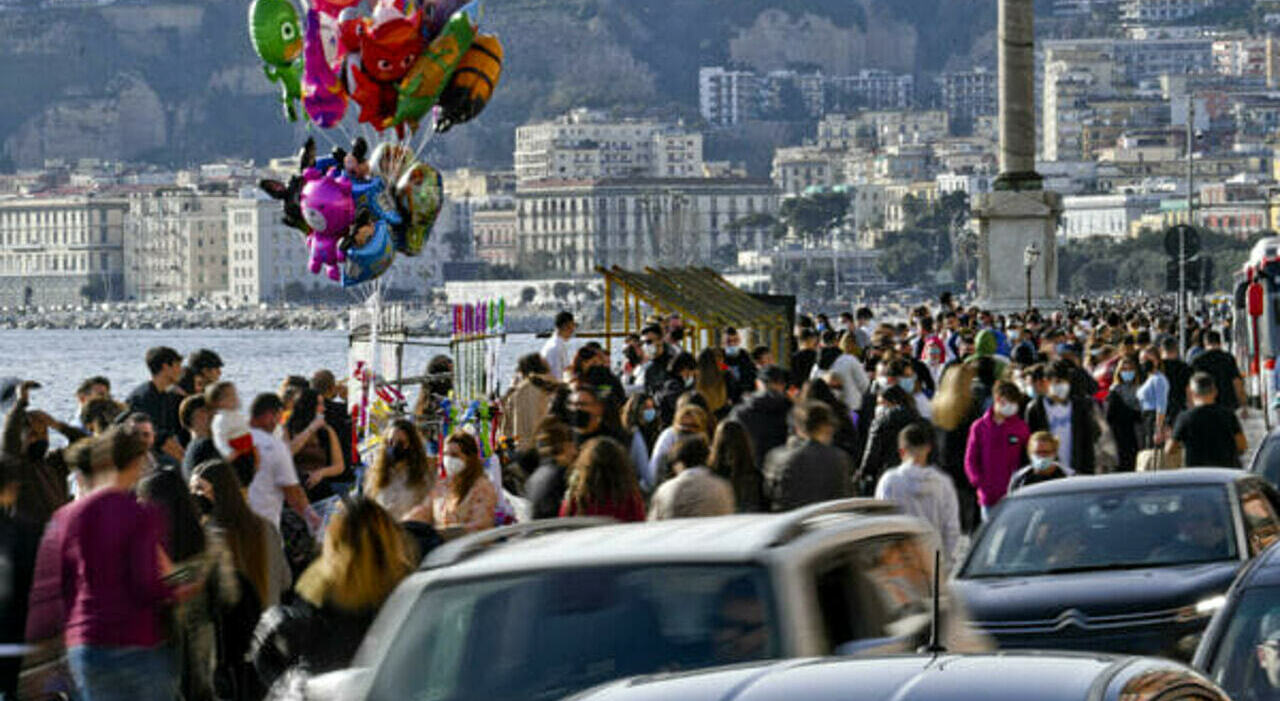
x: 551, y: 634
x: 1105, y: 530
x: 1246, y: 663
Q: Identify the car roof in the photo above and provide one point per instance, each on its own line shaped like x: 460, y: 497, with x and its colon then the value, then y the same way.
x: 739, y: 538
x: 1130, y: 480
x: 1010, y: 674
x: 1265, y: 570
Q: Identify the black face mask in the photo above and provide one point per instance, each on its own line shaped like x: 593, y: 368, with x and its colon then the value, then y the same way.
x: 203, y: 503
x: 37, y: 450
x: 580, y: 419
x: 1148, y: 367
x: 245, y: 467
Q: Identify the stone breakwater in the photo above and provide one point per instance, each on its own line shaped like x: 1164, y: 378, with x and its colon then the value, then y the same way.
x: 434, y: 321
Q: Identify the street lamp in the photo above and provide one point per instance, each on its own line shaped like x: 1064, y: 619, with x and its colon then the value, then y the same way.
x: 1030, y: 256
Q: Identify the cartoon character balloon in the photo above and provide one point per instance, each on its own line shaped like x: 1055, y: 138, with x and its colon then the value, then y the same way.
x: 380, y: 51
x: 472, y: 83
x: 277, y: 39
x: 424, y: 82
x: 369, y: 250
x: 419, y: 195
x: 291, y: 194
x: 323, y: 96
x: 329, y: 211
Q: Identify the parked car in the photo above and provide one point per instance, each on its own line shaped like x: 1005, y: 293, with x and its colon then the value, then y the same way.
x: 546, y: 609
x: 1240, y: 650
x: 1266, y: 459
x: 1025, y: 676
x: 1132, y: 563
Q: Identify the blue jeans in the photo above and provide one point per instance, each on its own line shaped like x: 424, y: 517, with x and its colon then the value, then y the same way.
x: 122, y: 673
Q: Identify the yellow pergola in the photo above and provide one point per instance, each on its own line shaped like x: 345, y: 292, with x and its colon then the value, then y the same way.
x: 706, y: 302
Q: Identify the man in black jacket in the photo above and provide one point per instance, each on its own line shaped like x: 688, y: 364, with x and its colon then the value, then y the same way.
x: 658, y: 355
x: 764, y: 414
x: 808, y: 469
x: 1069, y: 417
x: 153, y: 399
x: 336, y: 413
x: 740, y: 365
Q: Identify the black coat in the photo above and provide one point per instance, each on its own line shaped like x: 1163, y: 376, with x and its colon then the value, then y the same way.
x: 545, y: 489
x: 1084, y: 431
x: 882, y: 443
x: 764, y: 415
x: 805, y: 472
x: 743, y: 373
x: 162, y: 407
x: 320, y: 639
x: 19, y: 541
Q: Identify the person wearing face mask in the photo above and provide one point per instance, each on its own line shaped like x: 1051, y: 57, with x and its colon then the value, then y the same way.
x: 997, y: 443
x: 682, y: 374
x: 923, y: 491
x: 42, y: 481
x: 594, y: 410
x: 742, y: 370
x: 895, y: 410
x: 465, y: 500
x: 401, y: 478
x: 1043, y: 449
x: 1124, y: 411
x: 557, y: 450
x: 657, y: 359
x: 1072, y: 419
x: 1153, y: 396
x: 640, y: 416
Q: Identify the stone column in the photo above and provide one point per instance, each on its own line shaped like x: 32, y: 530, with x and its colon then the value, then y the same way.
x: 1019, y: 213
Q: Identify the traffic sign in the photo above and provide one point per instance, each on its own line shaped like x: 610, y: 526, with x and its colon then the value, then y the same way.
x: 1173, y: 244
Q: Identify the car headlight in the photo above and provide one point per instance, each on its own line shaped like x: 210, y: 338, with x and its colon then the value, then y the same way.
x: 1202, y: 609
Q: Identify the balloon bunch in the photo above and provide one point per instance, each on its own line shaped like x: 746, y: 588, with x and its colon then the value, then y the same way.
x: 394, y: 64
x: 353, y: 222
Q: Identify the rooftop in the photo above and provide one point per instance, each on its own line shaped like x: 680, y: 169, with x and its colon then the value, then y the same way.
x: 1134, y: 480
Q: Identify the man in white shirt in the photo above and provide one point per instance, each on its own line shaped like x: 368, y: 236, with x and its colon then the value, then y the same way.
x: 557, y: 352
x: 923, y: 491
x: 276, y: 481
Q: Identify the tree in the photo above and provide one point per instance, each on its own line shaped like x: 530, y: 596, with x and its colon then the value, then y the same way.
x: 815, y: 215
x: 905, y: 262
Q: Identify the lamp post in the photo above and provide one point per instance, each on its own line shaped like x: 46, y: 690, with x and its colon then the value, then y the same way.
x: 1030, y: 256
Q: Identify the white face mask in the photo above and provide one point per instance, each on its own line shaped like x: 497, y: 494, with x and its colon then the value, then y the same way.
x: 1006, y: 409
x: 1060, y: 390
x: 1041, y: 464
x: 452, y: 465
x: 650, y: 350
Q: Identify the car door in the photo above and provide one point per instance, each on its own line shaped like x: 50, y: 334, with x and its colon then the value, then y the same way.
x: 874, y: 596
x: 1261, y: 524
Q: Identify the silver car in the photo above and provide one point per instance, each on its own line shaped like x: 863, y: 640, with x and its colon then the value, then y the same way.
x: 547, y: 609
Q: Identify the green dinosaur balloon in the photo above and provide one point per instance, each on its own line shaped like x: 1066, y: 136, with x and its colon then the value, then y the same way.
x: 277, y: 39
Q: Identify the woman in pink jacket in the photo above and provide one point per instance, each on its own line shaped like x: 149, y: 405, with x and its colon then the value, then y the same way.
x: 997, y: 446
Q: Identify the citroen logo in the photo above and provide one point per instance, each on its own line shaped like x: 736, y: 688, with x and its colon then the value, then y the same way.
x: 1071, y: 617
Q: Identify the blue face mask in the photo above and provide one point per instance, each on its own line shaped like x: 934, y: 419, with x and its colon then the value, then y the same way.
x: 1127, y: 375
x: 908, y: 384
x: 650, y: 415
x: 732, y: 351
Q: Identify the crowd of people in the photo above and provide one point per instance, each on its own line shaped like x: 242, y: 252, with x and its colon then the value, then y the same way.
x: 186, y: 544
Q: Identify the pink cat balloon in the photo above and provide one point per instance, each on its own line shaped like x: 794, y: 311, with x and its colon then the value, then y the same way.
x: 329, y: 210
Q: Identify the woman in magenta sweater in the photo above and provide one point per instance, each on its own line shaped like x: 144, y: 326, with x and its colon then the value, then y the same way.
x: 101, y: 575
x: 997, y: 445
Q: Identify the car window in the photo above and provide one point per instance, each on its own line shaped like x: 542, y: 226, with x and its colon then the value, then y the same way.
x: 1246, y: 661
x: 1111, y: 529
x: 1260, y: 520
x: 875, y: 593
x: 551, y: 634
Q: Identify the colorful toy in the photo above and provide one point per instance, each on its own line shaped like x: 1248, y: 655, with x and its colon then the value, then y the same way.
x: 291, y: 194
x: 472, y: 84
x: 329, y: 211
x: 323, y: 96
x: 380, y: 52
x: 277, y: 39
x: 419, y: 195
x: 371, y: 251
x: 426, y: 80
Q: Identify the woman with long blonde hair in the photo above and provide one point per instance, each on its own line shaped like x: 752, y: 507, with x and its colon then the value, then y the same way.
x: 365, y: 555
x: 709, y: 381
x: 954, y: 410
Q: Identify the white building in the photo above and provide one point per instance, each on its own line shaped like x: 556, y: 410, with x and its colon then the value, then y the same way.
x: 587, y: 145
x: 871, y: 89
x: 268, y: 260
x: 726, y: 96
x: 1242, y: 57
x: 494, y: 231
x: 61, y: 249
x: 969, y: 183
x: 175, y: 245
x: 1109, y: 216
x: 1147, y: 11
x: 967, y: 95
x: 798, y: 168
x: 571, y: 226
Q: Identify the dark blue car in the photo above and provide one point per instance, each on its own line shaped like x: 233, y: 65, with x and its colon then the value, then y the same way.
x: 1132, y: 563
x: 1241, y: 647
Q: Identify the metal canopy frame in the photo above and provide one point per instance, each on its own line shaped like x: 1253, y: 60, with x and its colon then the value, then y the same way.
x: 706, y: 302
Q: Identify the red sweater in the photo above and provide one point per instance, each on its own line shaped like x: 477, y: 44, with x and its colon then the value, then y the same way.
x: 630, y: 510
